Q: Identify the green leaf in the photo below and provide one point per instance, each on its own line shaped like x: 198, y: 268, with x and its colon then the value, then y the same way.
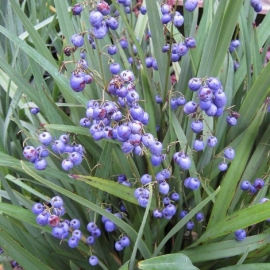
x: 251, y: 266
x: 170, y: 261
x: 27, y: 260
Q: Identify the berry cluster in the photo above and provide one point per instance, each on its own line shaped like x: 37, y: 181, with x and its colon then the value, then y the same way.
x: 257, y: 5
x: 59, y: 147
x: 62, y: 229
x: 252, y: 188
x: 190, y: 224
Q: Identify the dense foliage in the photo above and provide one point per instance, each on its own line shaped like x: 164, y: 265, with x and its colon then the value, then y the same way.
x: 134, y: 135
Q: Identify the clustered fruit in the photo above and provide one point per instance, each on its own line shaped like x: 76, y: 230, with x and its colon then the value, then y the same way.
x: 124, y: 121
x: 51, y: 215
x: 61, y: 147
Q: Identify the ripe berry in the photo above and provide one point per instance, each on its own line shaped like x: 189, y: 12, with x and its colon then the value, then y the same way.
x: 58, y: 147
x: 112, y: 49
x: 77, y: 234
x: 38, y: 208
x: 178, y: 20
x: 164, y: 188
x: 125, y: 241
x: 190, y: 225
x: 42, y: 218
x: 245, y: 185
x: 165, y: 9
x: 222, y: 166
x: 77, y: 9
x: 145, y: 179
x: 77, y: 40
x: 73, y: 242
x: 104, y: 8
x: 100, y: 31
x: 109, y: 226
x: 124, y: 43
x: 190, y: 5
x: 240, y: 234
x: 194, y: 84
x: 95, y: 18
x: 112, y: 23
x: 258, y: 183
x: 30, y: 153
x: 45, y: 138
x: 198, y: 145
x: 143, y: 10
x: 56, y: 201
x: 93, y: 260
x: 76, y: 158
x: 197, y: 126
x: 190, y: 107
x: 232, y: 121
x: 34, y: 110
x: 211, y: 141
x: 175, y: 196
x: 183, y: 213
x: 229, y: 153
x: 90, y: 240
x: 157, y: 214
x: 74, y: 224
x: 118, y: 246
x: 200, y: 216
x: 166, y: 18
x: 77, y: 81
x: 40, y: 164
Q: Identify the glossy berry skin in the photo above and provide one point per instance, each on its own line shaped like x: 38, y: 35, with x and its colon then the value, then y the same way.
x: 75, y: 224
x: 222, y: 166
x: 200, y: 217
x: 104, y: 8
x: 190, y: 225
x: 165, y: 9
x: 38, y: 208
x: 183, y: 213
x: 258, y: 183
x: 157, y: 213
x: 100, y: 31
x: 112, y: 23
x: 192, y: 183
x: 76, y: 158
x: 229, y: 153
x: 175, y: 196
x: 213, y: 83
x: 42, y: 218
x: 93, y: 260
x: 58, y: 232
x: 118, y: 246
x: 245, y: 185
x: 190, y: 5
x: 95, y: 18
x: 58, y: 147
x: 45, y: 138
x: 109, y: 226
x: 240, y: 235
x: 124, y: 43
x: 30, y: 153
x: 164, y: 188
x: 77, y: 81
x: 190, y: 107
x: 77, y: 40
x: 198, y: 145
x: 190, y: 42
x: 181, y: 101
x: 77, y: 234
x: 73, y: 242
x: 90, y: 240
x: 194, y: 84
x: 125, y: 241
x: 156, y: 148
x: 170, y: 209
x: 211, y: 141
x: 34, y: 110
x: 178, y: 20
x: 232, y: 121
x: 77, y: 9
x: 112, y: 49
x: 166, y: 18
x: 184, y: 162
x: 67, y: 164
x: 56, y: 202
x: 146, y: 179
x: 197, y: 126
x: 40, y: 164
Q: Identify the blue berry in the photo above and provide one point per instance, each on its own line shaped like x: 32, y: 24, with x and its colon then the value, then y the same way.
x: 222, y: 166
x: 67, y: 164
x: 157, y: 213
x: 197, y: 126
x: 90, y: 240
x: 77, y: 40
x: 240, y: 234
x: 190, y: 5
x: 109, y: 226
x: 77, y: 9
x: 38, y: 208
x: 125, y: 241
x: 93, y: 260
x: 146, y: 179
x: 56, y: 202
x: 75, y: 224
x: 77, y: 233
x: 183, y: 213
x: 190, y: 225
x: 118, y: 246
x: 232, y: 121
x: 112, y: 49
x: 211, y: 141
x: 200, y: 216
x: 95, y: 18
x: 34, y: 110
x: 245, y: 185
x: 198, y: 145
x: 104, y: 8
x: 164, y: 188
x: 42, y: 218
x: 229, y: 153
x: 45, y: 138
x: 73, y: 242
x: 175, y: 196
x: 40, y: 164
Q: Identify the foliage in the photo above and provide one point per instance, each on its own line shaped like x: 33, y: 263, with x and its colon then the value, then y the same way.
x: 33, y: 36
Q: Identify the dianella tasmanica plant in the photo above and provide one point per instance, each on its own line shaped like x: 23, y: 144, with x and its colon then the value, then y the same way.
x: 134, y: 135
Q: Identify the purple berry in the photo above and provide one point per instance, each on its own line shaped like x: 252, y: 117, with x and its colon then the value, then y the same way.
x: 45, y: 138
x: 100, y: 31
x: 34, y: 110
x: 125, y: 241
x: 67, y: 164
x: 93, y: 260
x: 197, y: 126
x: 222, y: 166
x: 124, y: 43
x: 164, y: 188
x: 77, y: 40
x: 104, y: 8
x: 77, y: 81
x: 75, y: 224
x: 112, y: 49
x: 211, y: 141
x: 95, y: 18
x: 200, y: 216
x: 38, y: 208
x: 232, y: 121
x: 40, y: 164
x: 77, y: 9
x: 245, y: 185
x: 229, y: 153
x: 190, y: 225
x: 240, y: 234
x: 198, y: 145
x: 175, y: 196
x: 190, y: 5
